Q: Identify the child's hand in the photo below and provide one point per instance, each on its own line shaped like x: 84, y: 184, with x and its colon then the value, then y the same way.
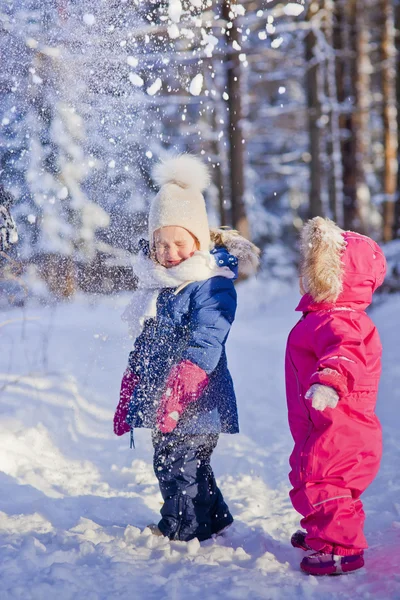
x: 185, y: 384
x: 128, y: 384
x: 322, y: 396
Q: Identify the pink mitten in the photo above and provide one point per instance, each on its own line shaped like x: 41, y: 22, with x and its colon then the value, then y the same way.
x: 128, y: 384
x: 185, y: 384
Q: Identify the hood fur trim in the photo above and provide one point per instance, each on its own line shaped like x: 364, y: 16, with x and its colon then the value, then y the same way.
x: 321, y: 245
x: 245, y: 251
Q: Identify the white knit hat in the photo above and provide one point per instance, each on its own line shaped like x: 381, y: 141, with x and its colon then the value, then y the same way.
x: 180, y: 201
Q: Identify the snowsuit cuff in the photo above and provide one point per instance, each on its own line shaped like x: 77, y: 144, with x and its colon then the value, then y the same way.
x: 330, y: 378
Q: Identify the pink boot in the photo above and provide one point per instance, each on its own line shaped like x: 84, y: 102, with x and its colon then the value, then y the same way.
x: 321, y: 563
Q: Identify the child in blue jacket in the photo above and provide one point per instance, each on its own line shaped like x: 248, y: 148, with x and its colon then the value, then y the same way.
x: 177, y: 382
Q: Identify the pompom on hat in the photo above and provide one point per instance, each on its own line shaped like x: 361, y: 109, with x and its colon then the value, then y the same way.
x: 180, y: 201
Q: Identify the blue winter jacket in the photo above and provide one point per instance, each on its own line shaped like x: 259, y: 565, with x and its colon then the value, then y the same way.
x: 191, y: 324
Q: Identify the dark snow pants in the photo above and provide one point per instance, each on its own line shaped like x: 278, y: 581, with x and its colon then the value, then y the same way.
x: 193, y: 504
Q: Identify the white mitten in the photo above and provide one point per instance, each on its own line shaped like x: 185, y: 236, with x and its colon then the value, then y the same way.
x: 322, y: 396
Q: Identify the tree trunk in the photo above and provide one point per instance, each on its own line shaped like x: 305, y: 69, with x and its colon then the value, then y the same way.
x: 236, y: 146
x: 361, y: 116
x: 219, y: 178
x: 397, y: 42
x: 315, y: 84
x: 336, y: 197
x: 354, y: 94
x: 390, y: 132
x: 346, y: 96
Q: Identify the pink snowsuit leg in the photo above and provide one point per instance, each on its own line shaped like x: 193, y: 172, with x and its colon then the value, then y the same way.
x: 331, y: 468
x: 334, y: 525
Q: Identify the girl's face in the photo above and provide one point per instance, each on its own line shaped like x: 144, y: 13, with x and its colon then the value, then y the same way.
x: 173, y: 245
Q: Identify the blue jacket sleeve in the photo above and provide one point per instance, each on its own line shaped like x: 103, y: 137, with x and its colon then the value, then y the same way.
x: 212, y: 312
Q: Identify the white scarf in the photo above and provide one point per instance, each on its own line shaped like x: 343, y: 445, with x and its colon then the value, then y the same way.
x: 153, y: 277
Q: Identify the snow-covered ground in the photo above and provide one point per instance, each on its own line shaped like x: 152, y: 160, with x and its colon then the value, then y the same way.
x: 74, y: 499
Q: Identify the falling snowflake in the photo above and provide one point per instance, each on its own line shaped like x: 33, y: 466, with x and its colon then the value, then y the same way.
x: 196, y: 85
x: 210, y: 42
x: 63, y: 193
x: 173, y: 31
x: 175, y: 10
x: 89, y: 19
x: 276, y: 43
x: 238, y: 9
x: 294, y: 8
x: 136, y: 79
x: 132, y: 61
x: 155, y: 87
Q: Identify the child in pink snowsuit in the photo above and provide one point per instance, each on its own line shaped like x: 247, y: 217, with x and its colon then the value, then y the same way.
x: 333, y: 366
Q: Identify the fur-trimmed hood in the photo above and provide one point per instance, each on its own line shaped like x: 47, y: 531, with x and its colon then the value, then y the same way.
x: 247, y: 254
x: 338, y: 268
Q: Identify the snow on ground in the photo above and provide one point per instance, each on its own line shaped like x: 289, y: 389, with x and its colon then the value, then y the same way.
x: 74, y: 499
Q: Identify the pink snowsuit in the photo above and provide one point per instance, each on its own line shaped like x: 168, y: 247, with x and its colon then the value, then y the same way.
x: 337, y: 451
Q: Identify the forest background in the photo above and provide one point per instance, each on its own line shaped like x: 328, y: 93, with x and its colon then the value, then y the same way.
x: 295, y: 114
